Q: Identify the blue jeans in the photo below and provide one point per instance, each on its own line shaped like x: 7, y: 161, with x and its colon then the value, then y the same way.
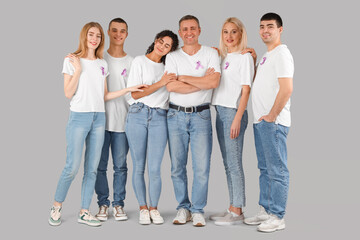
x: 194, y: 128
x: 231, y: 151
x: 88, y: 128
x: 119, y: 149
x: 270, y: 143
x: 146, y: 131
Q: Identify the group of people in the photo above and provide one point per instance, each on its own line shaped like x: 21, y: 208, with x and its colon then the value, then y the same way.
x: 120, y: 103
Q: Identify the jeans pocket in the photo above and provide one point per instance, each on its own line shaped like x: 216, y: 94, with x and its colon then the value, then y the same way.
x: 171, y: 113
x: 205, y: 114
x: 134, y: 108
x: 161, y: 112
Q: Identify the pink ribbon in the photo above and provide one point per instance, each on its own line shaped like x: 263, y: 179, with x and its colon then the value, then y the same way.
x: 264, y: 59
x: 226, y: 65
x: 123, y: 72
x: 198, y: 65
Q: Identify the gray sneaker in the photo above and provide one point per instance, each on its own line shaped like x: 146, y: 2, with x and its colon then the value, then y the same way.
x: 183, y: 216
x: 217, y: 216
x: 260, y: 217
x: 230, y: 219
x: 103, y: 213
x: 119, y: 213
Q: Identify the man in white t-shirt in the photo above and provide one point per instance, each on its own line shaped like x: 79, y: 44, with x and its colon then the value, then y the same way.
x: 189, y: 122
x: 271, y: 93
x: 116, y: 110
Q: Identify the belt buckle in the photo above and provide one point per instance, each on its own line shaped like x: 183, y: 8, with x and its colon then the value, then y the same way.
x: 192, y: 110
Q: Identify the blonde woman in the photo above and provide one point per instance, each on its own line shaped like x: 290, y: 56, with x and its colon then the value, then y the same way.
x: 85, y: 73
x: 230, y: 100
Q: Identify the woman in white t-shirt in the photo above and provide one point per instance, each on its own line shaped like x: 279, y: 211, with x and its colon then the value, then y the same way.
x: 85, y: 73
x: 230, y: 100
x: 146, y: 125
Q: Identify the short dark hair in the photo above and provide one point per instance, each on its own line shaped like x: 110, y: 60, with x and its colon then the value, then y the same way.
x: 272, y: 16
x: 160, y: 35
x: 119, y: 20
x: 189, y: 17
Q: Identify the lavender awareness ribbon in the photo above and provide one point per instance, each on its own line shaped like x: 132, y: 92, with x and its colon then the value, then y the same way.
x: 226, y: 65
x: 198, y: 65
x: 264, y: 59
x: 123, y: 72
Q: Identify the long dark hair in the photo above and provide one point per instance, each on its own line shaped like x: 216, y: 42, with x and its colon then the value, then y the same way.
x: 160, y: 35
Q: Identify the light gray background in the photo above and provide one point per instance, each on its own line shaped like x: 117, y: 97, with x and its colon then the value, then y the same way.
x: 323, y: 142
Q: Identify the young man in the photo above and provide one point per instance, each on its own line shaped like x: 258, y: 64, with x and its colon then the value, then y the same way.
x: 198, y: 71
x: 116, y: 110
x: 271, y: 93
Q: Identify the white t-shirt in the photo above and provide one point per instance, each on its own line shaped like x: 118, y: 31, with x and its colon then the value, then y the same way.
x: 236, y: 70
x: 89, y: 95
x: 181, y: 63
x: 116, y: 109
x: 278, y: 63
x: 145, y: 71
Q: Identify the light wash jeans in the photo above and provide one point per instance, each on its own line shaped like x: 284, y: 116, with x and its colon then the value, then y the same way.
x: 270, y: 143
x: 119, y: 149
x: 231, y: 151
x: 88, y: 128
x: 146, y: 131
x: 194, y: 128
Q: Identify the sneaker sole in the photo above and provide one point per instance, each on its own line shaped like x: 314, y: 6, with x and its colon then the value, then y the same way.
x: 177, y: 222
x: 89, y: 224
x: 54, y: 223
x: 121, y: 218
x: 254, y: 223
x: 199, y: 225
x: 157, y: 222
x: 227, y: 223
x: 281, y: 227
x: 145, y: 222
x: 102, y: 218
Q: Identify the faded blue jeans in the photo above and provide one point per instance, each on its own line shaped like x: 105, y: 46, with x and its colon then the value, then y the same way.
x: 146, y: 131
x: 88, y: 128
x: 231, y: 151
x: 194, y: 129
x: 271, y: 151
x: 119, y: 149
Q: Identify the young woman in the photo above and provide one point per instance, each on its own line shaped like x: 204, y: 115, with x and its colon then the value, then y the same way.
x: 230, y: 101
x: 85, y: 73
x: 146, y: 125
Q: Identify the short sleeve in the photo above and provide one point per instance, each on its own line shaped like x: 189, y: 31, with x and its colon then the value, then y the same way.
x: 284, y: 66
x: 247, y: 70
x: 68, y: 68
x: 170, y: 64
x: 214, y: 61
x: 135, y: 76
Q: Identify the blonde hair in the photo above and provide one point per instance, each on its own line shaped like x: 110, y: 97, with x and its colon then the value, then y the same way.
x: 243, y: 38
x: 82, y: 50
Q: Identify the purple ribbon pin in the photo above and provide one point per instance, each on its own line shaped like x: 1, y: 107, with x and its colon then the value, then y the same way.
x: 123, y: 72
x: 102, y: 70
x: 226, y: 65
x: 198, y: 65
x: 264, y: 59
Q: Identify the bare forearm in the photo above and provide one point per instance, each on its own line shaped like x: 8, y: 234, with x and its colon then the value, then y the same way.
x: 111, y: 95
x: 243, y: 102
x: 181, y: 87
x: 204, y: 83
x: 147, y: 91
x: 280, y: 101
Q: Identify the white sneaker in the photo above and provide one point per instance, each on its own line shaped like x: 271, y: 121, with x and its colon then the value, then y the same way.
x: 88, y: 219
x: 155, y: 217
x: 119, y: 213
x: 55, y: 216
x: 198, y: 220
x: 262, y: 216
x: 144, y: 217
x: 183, y: 216
x: 272, y: 224
x: 217, y: 216
x: 230, y: 219
x: 103, y: 213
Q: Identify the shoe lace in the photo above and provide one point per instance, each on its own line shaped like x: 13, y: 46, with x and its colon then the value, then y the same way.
x: 181, y: 212
x: 155, y: 212
x: 119, y: 210
x: 103, y: 209
x: 55, y: 211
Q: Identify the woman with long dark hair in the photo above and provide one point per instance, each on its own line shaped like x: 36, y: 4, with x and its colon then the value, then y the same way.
x: 146, y: 124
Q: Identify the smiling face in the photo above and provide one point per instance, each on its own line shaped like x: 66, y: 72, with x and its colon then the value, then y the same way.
x: 189, y: 32
x: 163, y: 45
x: 117, y: 33
x: 270, y: 32
x: 231, y: 36
x: 93, y: 38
